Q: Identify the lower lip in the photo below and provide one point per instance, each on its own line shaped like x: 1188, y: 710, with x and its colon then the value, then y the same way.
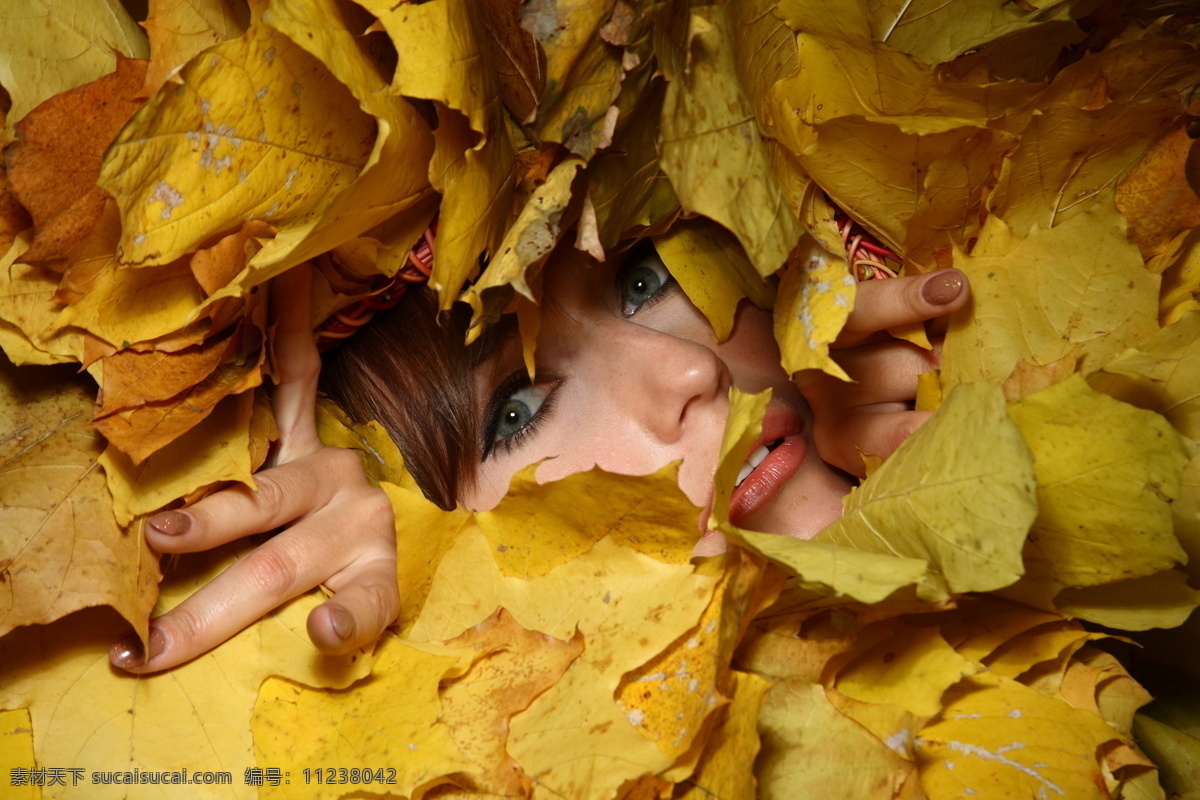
x: 767, y: 478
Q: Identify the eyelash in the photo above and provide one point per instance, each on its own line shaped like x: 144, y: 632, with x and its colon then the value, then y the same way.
x: 656, y: 297
x: 511, y: 385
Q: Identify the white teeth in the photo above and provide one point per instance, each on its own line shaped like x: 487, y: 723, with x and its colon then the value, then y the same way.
x: 753, y: 461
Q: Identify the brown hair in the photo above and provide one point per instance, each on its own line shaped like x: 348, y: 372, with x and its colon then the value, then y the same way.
x: 410, y: 371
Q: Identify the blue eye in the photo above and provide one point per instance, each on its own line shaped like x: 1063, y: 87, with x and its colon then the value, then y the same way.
x: 515, y: 411
x: 641, y: 281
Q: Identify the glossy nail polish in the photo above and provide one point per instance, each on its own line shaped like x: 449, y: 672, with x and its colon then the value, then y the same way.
x: 126, y: 653
x: 942, y: 288
x: 170, y: 523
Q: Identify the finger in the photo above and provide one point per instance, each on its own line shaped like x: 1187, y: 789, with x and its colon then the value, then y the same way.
x: 877, y: 431
x: 358, y: 614
x: 267, y: 577
x: 297, y: 363
x: 284, y: 494
x: 884, y: 304
x: 882, y: 373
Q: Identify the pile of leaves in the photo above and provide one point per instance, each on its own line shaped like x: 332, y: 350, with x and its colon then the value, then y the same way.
x: 158, y: 177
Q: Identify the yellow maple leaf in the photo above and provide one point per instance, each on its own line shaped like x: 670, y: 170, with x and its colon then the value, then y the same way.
x: 866, y: 576
x: 963, y: 505
x: 195, y: 717
x: 393, y: 184
x: 629, y: 191
x: 512, y: 667
x: 807, y: 742
x: 910, y: 669
x: 528, y: 242
x: 391, y: 719
x: 583, y: 70
x: 16, y: 753
x: 442, y: 59
x: 815, y: 298
x: 242, y: 135
x: 27, y: 312
x: 1104, y: 468
x: 1080, y: 284
x: 726, y: 766
x: 711, y: 149
x: 712, y: 271
x: 997, y: 736
x: 935, y: 32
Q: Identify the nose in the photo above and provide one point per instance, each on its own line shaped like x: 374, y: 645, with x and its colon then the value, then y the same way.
x: 665, y: 383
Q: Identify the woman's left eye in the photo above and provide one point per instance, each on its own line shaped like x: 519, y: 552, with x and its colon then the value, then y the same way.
x: 641, y: 282
x: 515, y: 413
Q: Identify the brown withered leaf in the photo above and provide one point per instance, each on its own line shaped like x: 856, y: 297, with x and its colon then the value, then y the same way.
x: 214, y: 452
x: 152, y: 426
x: 1156, y: 197
x: 181, y: 29
x: 216, y: 266
x: 54, y: 164
x: 13, y: 216
x: 62, y: 549
x: 131, y: 379
x: 518, y: 62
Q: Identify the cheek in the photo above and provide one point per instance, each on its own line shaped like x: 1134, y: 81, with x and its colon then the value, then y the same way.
x: 752, y: 352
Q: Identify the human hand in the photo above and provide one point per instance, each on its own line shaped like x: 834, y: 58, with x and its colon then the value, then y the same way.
x: 340, y: 530
x: 874, y: 414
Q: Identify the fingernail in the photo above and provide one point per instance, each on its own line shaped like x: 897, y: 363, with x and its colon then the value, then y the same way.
x: 126, y: 653
x: 942, y: 288
x: 158, y: 643
x: 171, y: 523
x: 342, y: 622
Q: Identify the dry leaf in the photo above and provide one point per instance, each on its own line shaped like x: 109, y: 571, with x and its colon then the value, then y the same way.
x: 62, y: 549
x: 712, y: 270
x: 51, y: 48
x: 54, y: 164
x: 180, y: 30
x: 195, y: 717
x: 963, y: 504
x: 711, y: 148
x: 1078, y: 287
x: 254, y: 106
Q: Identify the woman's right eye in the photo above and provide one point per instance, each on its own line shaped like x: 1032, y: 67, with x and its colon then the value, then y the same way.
x: 516, y: 412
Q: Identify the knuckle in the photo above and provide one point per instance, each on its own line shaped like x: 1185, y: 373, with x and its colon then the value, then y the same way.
x: 376, y: 511
x: 300, y: 368
x: 346, y: 462
x: 383, y: 598
x: 271, y: 573
x: 268, y: 492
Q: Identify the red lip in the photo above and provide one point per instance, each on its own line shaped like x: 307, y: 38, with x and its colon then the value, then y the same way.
x: 776, y: 469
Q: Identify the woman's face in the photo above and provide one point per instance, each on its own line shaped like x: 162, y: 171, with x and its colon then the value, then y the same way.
x: 629, y: 379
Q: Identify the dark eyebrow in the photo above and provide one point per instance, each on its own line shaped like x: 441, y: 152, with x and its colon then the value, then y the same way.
x: 492, y: 340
